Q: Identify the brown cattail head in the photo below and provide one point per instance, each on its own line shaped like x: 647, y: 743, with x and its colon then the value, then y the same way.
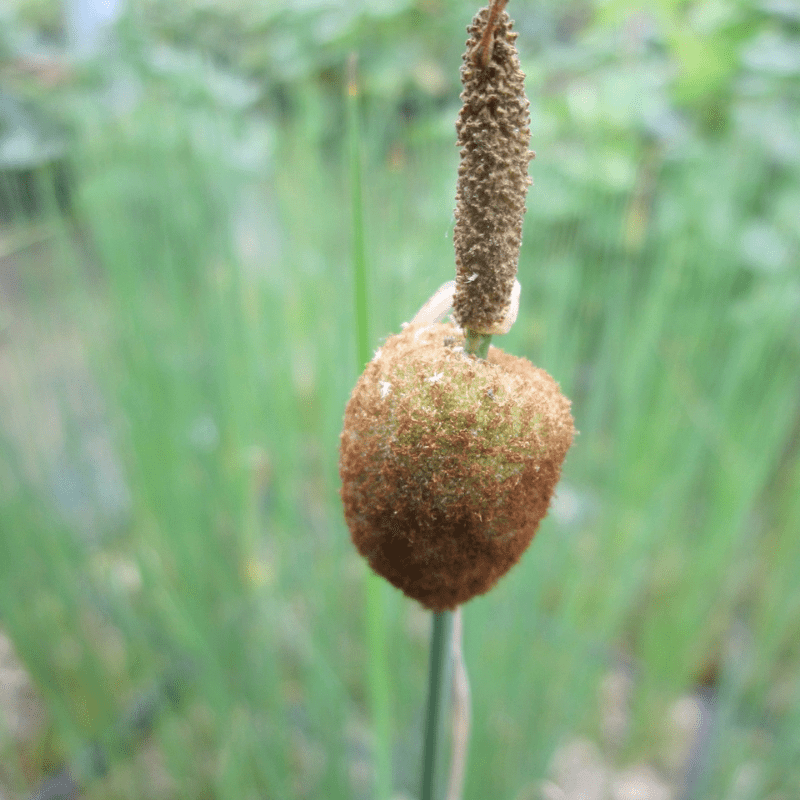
x: 448, y: 463
x: 494, y: 134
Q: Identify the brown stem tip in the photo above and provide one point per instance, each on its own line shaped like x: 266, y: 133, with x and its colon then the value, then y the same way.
x: 482, y: 54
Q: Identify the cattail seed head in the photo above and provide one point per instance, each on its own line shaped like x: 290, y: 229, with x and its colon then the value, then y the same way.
x: 494, y: 135
x: 448, y: 463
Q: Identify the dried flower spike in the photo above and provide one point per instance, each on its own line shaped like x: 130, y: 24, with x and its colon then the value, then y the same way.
x: 494, y: 134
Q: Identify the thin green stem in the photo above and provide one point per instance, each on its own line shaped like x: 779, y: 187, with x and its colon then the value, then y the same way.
x: 357, y: 206
x: 438, y: 681
x: 376, y: 626
x: 477, y: 344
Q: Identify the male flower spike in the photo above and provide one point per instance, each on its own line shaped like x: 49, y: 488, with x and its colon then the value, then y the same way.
x: 494, y: 135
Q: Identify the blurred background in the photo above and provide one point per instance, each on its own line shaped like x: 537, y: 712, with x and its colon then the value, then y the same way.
x: 182, y: 614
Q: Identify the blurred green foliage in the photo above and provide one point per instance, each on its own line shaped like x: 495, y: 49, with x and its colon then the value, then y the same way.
x: 190, y: 314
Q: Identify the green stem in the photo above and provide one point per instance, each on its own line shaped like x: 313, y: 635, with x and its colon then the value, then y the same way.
x: 357, y: 207
x: 438, y: 681
x: 477, y: 344
x: 376, y: 626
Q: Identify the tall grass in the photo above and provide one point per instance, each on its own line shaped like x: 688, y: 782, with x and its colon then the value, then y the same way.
x: 194, y: 328
x: 376, y: 632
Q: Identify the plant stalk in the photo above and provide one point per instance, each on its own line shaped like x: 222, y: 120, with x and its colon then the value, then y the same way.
x: 438, y: 684
x: 357, y: 208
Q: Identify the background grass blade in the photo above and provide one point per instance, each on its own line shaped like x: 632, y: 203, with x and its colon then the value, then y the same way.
x: 378, y: 667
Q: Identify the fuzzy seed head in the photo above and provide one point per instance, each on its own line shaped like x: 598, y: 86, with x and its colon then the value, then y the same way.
x: 447, y: 474
x: 494, y: 135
